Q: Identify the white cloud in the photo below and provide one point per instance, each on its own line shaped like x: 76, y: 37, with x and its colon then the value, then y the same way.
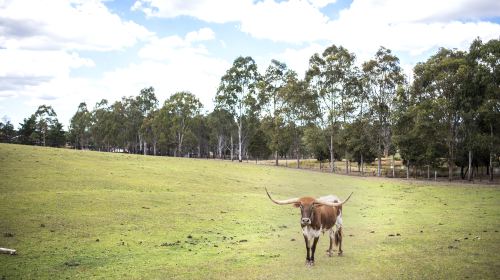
x: 39, y: 63
x: 220, y: 11
x: 410, y: 11
x: 402, y: 25
x: 74, y: 25
x: 292, y: 21
x: 39, y: 42
x: 204, y: 34
x: 288, y: 21
x: 23, y: 70
x: 298, y: 59
x: 39, y: 45
x: 169, y: 64
x: 174, y: 64
x: 321, y: 3
x: 198, y: 74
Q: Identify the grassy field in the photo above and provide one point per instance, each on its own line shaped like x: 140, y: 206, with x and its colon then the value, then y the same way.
x: 79, y: 214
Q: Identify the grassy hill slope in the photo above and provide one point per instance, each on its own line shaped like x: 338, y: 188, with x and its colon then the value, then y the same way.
x: 79, y: 214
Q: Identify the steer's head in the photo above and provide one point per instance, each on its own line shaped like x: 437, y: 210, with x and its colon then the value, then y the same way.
x: 307, y: 206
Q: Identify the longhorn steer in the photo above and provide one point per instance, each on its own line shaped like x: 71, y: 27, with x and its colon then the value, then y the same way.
x: 318, y: 215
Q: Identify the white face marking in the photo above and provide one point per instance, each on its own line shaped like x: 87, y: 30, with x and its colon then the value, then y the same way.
x: 310, y: 233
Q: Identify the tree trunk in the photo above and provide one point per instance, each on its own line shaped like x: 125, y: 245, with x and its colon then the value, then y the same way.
x: 450, y: 169
x: 145, y: 148
x: 428, y: 172
x: 240, y: 158
x: 346, y: 164
x: 490, y: 167
x: 181, y: 138
x: 154, y: 148
x: 298, y: 159
x: 408, y: 170
x: 362, y: 167
x: 435, y: 175
x: 232, y: 148
x: 332, y: 157
x: 393, y: 167
x: 379, y: 165
x: 219, y: 146
x: 276, y: 157
x: 469, y: 175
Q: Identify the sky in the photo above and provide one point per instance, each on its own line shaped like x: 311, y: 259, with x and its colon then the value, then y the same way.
x: 63, y: 52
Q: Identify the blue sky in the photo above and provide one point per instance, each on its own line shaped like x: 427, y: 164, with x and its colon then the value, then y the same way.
x: 63, y: 52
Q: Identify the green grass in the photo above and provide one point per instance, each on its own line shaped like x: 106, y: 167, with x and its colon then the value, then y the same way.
x: 216, y: 222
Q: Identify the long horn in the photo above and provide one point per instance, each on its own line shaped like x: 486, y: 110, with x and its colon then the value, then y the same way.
x: 333, y: 204
x: 282, y: 202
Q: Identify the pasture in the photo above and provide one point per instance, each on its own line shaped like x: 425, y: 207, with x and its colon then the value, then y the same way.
x: 80, y: 214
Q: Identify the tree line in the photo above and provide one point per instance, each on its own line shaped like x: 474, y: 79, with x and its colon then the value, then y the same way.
x: 448, y: 115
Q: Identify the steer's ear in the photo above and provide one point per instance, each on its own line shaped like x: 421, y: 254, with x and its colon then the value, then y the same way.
x: 296, y: 204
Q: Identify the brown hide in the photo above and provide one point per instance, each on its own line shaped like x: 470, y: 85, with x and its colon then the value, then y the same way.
x: 324, y: 216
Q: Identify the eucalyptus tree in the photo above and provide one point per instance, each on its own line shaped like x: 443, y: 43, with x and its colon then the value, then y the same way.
x: 147, y: 100
x: 222, y: 126
x: 351, y: 100
x: 56, y: 136
x: 7, y: 132
x: 329, y: 75
x: 442, y: 78
x: 201, y: 134
x: 417, y: 131
x: 272, y: 101
x: 151, y: 130
x: 137, y: 108
x: 45, y: 117
x: 132, y: 122
x: 360, y: 132
x: 147, y: 104
x: 27, y: 133
x: 299, y: 110
x: 181, y: 108
x: 485, y: 60
x: 360, y: 141
x: 80, y: 126
x: 258, y: 146
x: 237, y: 94
x: 100, y: 122
x: 383, y: 75
x: 116, y: 130
x: 315, y: 139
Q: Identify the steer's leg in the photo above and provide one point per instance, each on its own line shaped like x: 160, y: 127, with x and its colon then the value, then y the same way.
x: 330, y: 234
x: 308, y: 259
x: 314, y: 249
x: 338, y: 239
